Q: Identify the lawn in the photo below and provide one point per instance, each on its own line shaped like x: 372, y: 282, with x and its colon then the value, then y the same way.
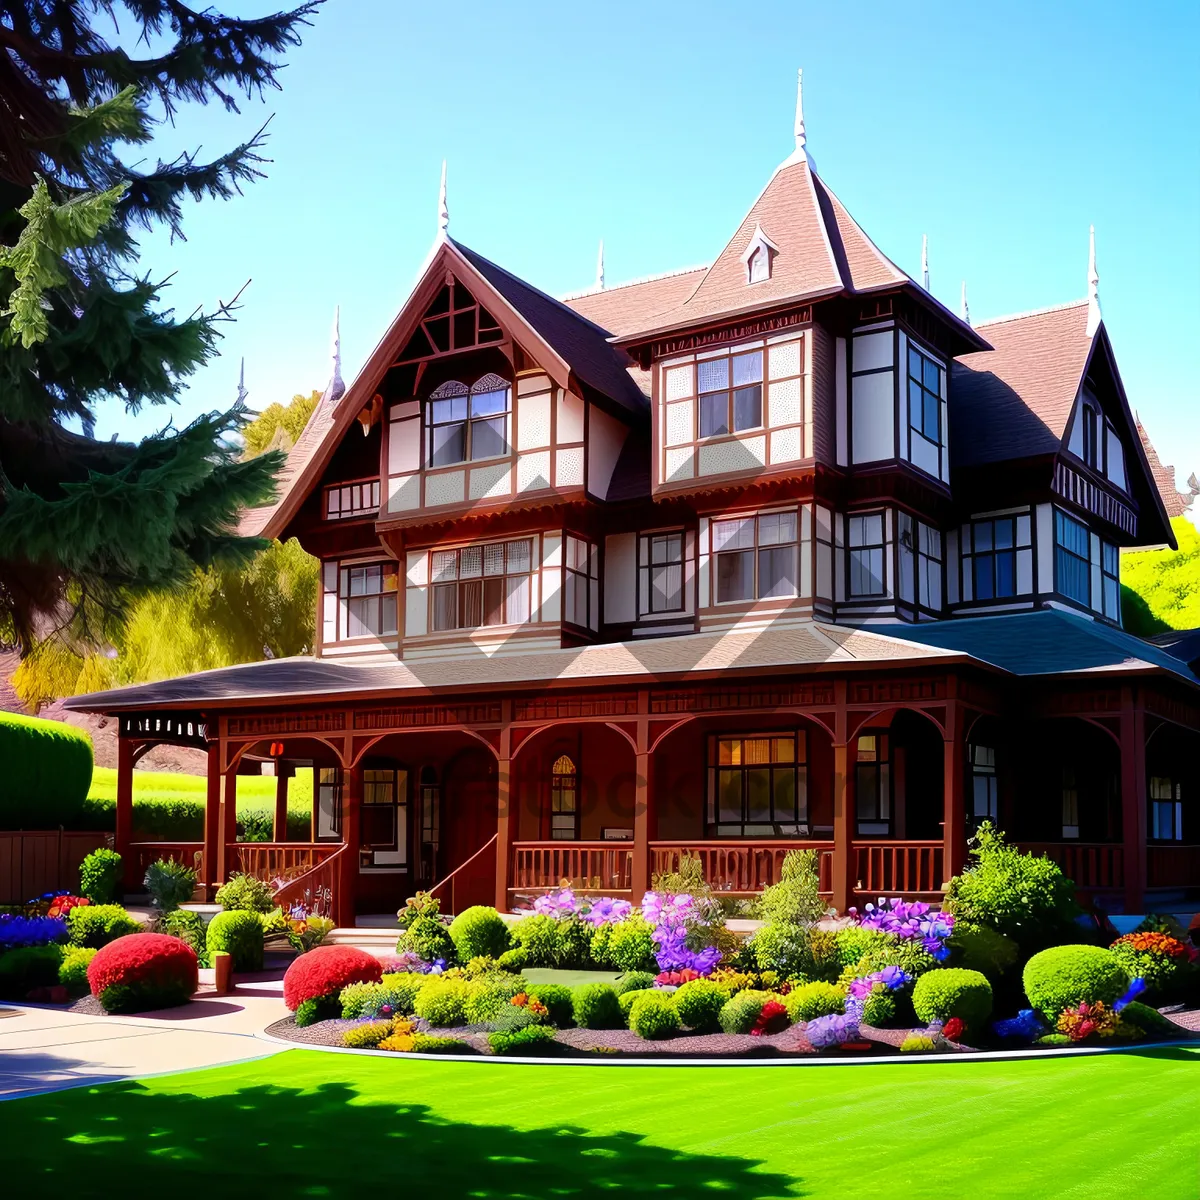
x: 311, y: 1124
x: 253, y: 790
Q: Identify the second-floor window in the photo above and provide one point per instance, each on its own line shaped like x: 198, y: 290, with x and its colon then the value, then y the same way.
x: 1072, y: 565
x: 1110, y: 569
x: 661, y: 571
x: 755, y: 557
x: 581, y: 591
x: 482, y: 585
x: 468, y: 423
x: 992, y: 562
x: 369, y: 595
x: 730, y: 390
x: 865, y: 538
x: 924, y: 395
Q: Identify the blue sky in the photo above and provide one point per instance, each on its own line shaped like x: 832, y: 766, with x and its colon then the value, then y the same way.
x: 999, y: 131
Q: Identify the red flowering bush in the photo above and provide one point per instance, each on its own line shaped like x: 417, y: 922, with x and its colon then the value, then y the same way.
x: 772, y: 1019
x: 143, y: 971
x: 676, y: 978
x: 954, y: 1029
x: 315, y: 979
x: 61, y: 905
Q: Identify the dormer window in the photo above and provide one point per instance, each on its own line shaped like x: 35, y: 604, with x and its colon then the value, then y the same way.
x: 759, y: 256
x: 468, y: 423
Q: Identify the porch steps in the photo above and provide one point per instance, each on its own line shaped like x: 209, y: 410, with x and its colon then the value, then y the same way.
x: 373, y: 940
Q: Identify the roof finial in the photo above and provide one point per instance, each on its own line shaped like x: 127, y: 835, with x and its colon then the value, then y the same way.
x: 443, y: 211
x: 801, y: 136
x: 965, y: 311
x: 600, y: 268
x: 1093, y: 311
x: 242, y: 393
x: 336, y: 386
x: 925, y: 260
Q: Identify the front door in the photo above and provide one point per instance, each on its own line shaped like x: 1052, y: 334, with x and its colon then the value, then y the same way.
x: 468, y: 823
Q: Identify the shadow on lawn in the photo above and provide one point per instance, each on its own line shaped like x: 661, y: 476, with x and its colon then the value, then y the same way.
x: 278, y: 1141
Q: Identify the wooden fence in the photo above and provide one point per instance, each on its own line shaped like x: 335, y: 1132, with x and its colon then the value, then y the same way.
x: 43, y: 860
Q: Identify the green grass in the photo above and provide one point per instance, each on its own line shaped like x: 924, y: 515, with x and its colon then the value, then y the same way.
x: 310, y: 1124
x: 253, y: 791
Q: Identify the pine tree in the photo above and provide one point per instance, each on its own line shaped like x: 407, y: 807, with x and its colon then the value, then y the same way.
x: 86, y: 526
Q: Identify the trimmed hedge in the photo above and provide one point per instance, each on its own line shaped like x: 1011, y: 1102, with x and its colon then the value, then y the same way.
x: 239, y: 934
x: 953, y: 992
x: 654, y: 1016
x: 595, y: 1006
x: 96, y: 925
x: 699, y: 1005
x: 323, y: 972
x: 141, y: 972
x: 816, y: 999
x: 47, y: 772
x: 479, y: 930
x: 1065, y: 976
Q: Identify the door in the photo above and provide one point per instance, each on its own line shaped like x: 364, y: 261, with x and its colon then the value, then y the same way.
x: 468, y: 823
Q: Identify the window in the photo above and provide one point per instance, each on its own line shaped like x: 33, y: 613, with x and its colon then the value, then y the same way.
x: 1070, y: 804
x: 992, y: 562
x: 872, y: 781
x: 924, y: 395
x: 564, y: 800
x: 329, y: 804
x: 369, y: 594
x: 755, y: 557
x: 346, y: 500
x: 758, y: 267
x: 482, y: 585
x: 1110, y: 569
x: 1166, y: 810
x: 758, y: 785
x: 384, y: 830
x: 1091, y: 437
x: 661, y: 559
x: 581, y: 590
x: 984, y: 790
x: 866, y: 555
x: 468, y: 423
x: 725, y: 408
x: 431, y: 819
x: 1072, y: 568
x: 929, y: 567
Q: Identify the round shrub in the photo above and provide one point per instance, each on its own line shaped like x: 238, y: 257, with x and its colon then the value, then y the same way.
x: 1149, y: 1020
x: 479, y: 930
x: 537, y: 935
x: 96, y: 925
x: 1066, y: 976
x: 654, y: 1016
x: 100, y: 876
x: 557, y: 999
x: 812, y: 1000
x: 28, y: 967
x: 905, y: 953
x: 781, y: 948
x: 72, y: 971
x: 595, y: 1006
x: 141, y: 972
x: 368, y: 1035
x: 515, y: 960
x: 879, y: 1007
x: 739, y: 1013
x: 625, y: 1000
x: 325, y: 971
x: 533, y: 1039
x: 246, y: 892
x: 631, y: 947
x: 443, y: 1002
x: 361, y: 1001
x: 240, y: 935
x: 953, y: 992
x: 1164, y: 962
x: 428, y: 938
x: 917, y: 1043
x: 403, y: 987
x: 47, y: 772
x: 635, y: 981
x: 573, y: 945
x: 854, y: 942
x: 980, y: 948
x: 699, y: 1005
x: 488, y: 997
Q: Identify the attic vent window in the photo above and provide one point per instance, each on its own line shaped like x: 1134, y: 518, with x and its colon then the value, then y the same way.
x: 759, y: 257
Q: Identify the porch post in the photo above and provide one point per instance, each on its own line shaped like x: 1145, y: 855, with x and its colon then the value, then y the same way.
x: 124, y: 814
x: 640, y: 875
x: 1133, y: 798
x: 212, y: 819
x: 227, y: 837
x: 351, y: 812
x: 504, y: 813
x: 954, y: 811
x: 279, y: 833
x: 843, y: 803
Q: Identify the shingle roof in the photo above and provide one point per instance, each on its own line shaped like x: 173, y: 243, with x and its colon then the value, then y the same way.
x: 630, y: 307
x: 1175, y: 503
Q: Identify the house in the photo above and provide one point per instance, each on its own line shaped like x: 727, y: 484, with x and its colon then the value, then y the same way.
x: 778, y: 552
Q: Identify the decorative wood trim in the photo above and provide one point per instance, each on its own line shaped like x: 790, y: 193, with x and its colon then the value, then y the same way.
x: 262, y: 724
x: 732, y: 333
x: 724, y: 699
x: 1074, y: 486
x: 424, y: 716
x: 560, y: 708
x: 1170, y: 708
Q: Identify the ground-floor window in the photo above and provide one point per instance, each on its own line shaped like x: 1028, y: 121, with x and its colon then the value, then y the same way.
x: 1166, y: 809
x: 564, y: 799
x: 873, y: 784
x: 1070, y: 804
x: 329, y: 804
x: 758, y: 785
x: 431, y: 819
x: 984, y: 788
x: 384, y: 831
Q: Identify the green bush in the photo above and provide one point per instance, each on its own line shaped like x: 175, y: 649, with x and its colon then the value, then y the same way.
x: 490, y: 996
x: 635, y: 981
x: 854, y: 942
x: 515, y: 960
x: 188, y: 927
x: 905, y: 953
x: 365, y: 1000
x: 795, y: 900
x: 557, y: 999
x: 653, y: 1015
x: 627, y: 946
x: 1023, y: 896
x: 320, y: 1008
x: 739, y: 1013
x: 247, y: 893
x: 879, y: 1007
x: 953, y: 992
x: 625, y: 1001
x: 72, y: 971
x: 595, y: 1006
x: 980, y: 948
x: 423, y: 1043
x: 530, y: 1040
x: 479, y: 930
x: 443, y: 1002
x: 240, y: 935
x: 403, y: 987
x: 781, y: 948
x: 367, y: 1035
x: 169, y: 883
x: 428, y: 938
x: 537, y: 935
x: 1167, y: 979
x: 256, y: 825
x: 1053, y: 1039
x: 100, y: 876
x: 573, y: 945
x: 918, y: 1043
x: 1065, y: 976
x: 812, y: 1000
x: 47, y: 772
x: 96, y: 925
x: 29, y: 967
x: 1149, y: 1020
x: 699, y: 1005
x: 512, y: 1017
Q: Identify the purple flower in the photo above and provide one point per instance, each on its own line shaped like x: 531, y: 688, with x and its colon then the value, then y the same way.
x: 607, y: 911
x: 18, y: 931
x: 559, y: 905
x: 833, y: 1030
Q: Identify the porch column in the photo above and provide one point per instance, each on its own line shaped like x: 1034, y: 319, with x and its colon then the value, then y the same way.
x: 843, y: 803
x: 279, y: 833
x: 347, y: 892
x: 1134, y: 803
x: 640, y: 874
x: 212, y: 820
x: 124, y: 815
x: 954, y: 811
x: 227, y: 836
x: 504, y: 813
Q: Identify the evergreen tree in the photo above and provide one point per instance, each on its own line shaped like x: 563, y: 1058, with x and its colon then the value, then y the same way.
x: 87, y: 526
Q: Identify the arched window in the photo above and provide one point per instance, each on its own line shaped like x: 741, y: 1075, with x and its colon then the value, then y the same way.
x: 468, y: 423
x: 564, y: 799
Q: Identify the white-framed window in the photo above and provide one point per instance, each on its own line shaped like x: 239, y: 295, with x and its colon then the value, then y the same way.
x: 581, y: 576
x: 485, y: 584
x: 1072, y: 563
x: 344, y: 501
x: 660, y: 572
x: 730, y: 393
x: 468, y: 423
x: 368, y: 600
x: 1166, y: 809
x: 1110, y: 571
x: 929, y: 567
x: 755, y: 558
x: 383, y: 835
x: 865, y: 542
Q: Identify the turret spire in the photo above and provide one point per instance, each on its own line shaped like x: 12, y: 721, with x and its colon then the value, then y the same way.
x: 925, y: 261
x: 801, y: 136
x: 600, y: 267
x: 965, y: 311
x: 242, y: 393
x: 443, y: 210
x: 1093, y: 312
x: 336, y: 387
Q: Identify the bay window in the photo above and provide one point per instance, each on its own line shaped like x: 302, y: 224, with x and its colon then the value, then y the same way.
x: 480, y: 585
x: 581, y: 583
x: 866, y: 544
x: 1110, y: 570
x: 730, y: 393
x: 660, y: 572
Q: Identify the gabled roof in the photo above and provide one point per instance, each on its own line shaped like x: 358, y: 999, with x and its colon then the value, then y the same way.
x: 629, y: 307
x: 1175, y: 502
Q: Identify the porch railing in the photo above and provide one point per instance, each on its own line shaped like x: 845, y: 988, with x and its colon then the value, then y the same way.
x: 188, y: 854
x: 1094, y: 866
x: 899, y: 868
x: 449, y: 882
x: 603, y: 867
x: 317, y: 887
x: 278, y: 860
x: 740, y: 867
x: 1173, y: 866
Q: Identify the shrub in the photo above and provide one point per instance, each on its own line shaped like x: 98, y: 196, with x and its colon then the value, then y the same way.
x: 100, y: 875
x: 795, y: 900
x: 953, y: 992
x: 980, y: 948
x: 255, y: 825
x: 699, y: 1005
x: 143, y: 971
x: 423, y: 1043
x: 629, y: 946
x: 595, y: 1006
x: 428, y: 938
x: 72, y: 971
x: 98, y: 924
x: 319, y: 1008
x: 403, y: 987
x: 29, y: 967
x: 1023, y: 896
x: 479, y: 930
x: 188, y: 927
x: 879, y: 1007
x: 1164, y: 962
x: 855, y: 941
x: 246, y: 892
x: 239, y: 934
x: 812, y: 1000
x: 557, y: 999
x: 515, y: 960
x: 653, y: 1015
x: 537, y: 935
x: 368, y: 1035
x: 169, y: 883
x: 515, y: 1016
x: 47, y: 772
x: 918, y: 1043
x: 530, y: 1040
x: 781, y: 948
x: 490, y: 996
x: 904, y: 953
x: 573, y: 944
x: 443, y: 1002
x: 323, y: 972
x: 1053, y: 1039
x: 1149, y: 1020
x: 1066, y: 976
x: 635, y: 981
x: 370, y: 1000
x: 741, y: 1011
x: 625, y: 1001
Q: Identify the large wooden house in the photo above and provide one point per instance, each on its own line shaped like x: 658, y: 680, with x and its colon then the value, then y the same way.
x: 779, y: 552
